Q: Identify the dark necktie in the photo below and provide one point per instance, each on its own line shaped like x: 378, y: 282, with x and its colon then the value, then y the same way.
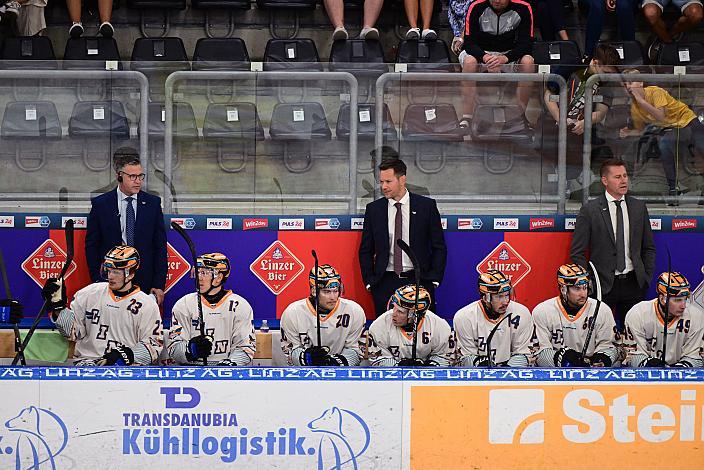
x: 620, y: 239
x: 398, y: 233
x: 129, y: 221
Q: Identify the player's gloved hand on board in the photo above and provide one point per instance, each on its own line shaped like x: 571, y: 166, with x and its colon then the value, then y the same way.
x: 408, y: 362
x: 481, y: 361
x: 199, y: 347
x: 54, y: 293
x: 336, y: 360
x: 316, y: 356
x: 87, y: 363
x: 653, y: 362
x: 227, y: 363
x: 600, y: 360
x: 118, y: 356
x: 11, y: 311
x: 682, y: 364
x: 567, y: 357
x: 431, y: 363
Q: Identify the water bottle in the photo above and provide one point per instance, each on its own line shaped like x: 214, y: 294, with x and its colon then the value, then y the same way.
x: 265, y: 327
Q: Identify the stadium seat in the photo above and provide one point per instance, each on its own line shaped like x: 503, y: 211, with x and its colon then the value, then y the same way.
x: 32, y: 53
x: 366, y: 123
x: 220, y: 54
x: 90, y: 53
x: 275, y: 6
x: 563, y: 57
x: 98, y: 120
x: 233, y: 124
x: 291, y: 54
x: 359, y: 57
x: 425, y: 56
x: 163, y: 6
x: 299, y: 122
x: 435, y: 123
x: 184, y: 128
x: 500, y: 125
x: 24, y: 122
x: 158, y: 57
x: 228, y: 5
x: 687, y: 54
x: 630, y: 52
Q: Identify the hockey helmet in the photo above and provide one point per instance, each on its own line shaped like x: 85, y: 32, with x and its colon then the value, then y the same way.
x: 673, y: 283
x: 493, y: 282
x: 122, y: 257
x: 216, y: 262
x: 328, y: 277
x: 405, y: 297
x: 572, y: 275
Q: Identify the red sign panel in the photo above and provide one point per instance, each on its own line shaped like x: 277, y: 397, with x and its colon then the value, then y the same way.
x: 177, y: 267
x: 277, y: 267
x: 507, y: 260
x: 542, y: 222
x: 684, y: 224
x: 47, y: 261
x: 250, y: 224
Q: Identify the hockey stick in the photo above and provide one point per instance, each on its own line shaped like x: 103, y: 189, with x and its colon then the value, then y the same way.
x: 590, y: 331
x: 666, y: 310
x: 490, y: 337
x: 194, y: 257
x: 68, y: 230
x: 8, y: 295
x: 315, y: 300
x: 416, y: 272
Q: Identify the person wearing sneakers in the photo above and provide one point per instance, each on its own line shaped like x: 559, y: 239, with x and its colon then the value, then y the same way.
x: 336, y: 12
x: 426, y: 13
x: 74, y: 12
x: 692, y: 14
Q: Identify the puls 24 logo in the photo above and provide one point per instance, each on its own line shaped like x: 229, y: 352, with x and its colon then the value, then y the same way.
x: 35, y: 437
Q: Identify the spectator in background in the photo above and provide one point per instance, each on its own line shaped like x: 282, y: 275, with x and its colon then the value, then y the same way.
x: 496, y: 33
x: 74, y: 12
x: 9, y: 11
x: 30, y: 21
x: 655, y: 111
x: 595, y: 21
x: 426, y: 13
x: 336, y: 12
x: 692, y: 14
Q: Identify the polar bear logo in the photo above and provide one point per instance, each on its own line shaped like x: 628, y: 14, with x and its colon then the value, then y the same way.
x: 344, y: 437
x: 41, y: 436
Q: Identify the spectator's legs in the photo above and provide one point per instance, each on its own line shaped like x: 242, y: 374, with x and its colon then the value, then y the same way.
x: 426, y: 12
x: 668, y: 145
x: 336, y: 12
x: 626, y: 19
x: 543, y: 21
x: 556, y: 14
x: 690, y: 19
x: 74, y: 10
x: 469, y: 65
x: 411, y: 7
x: 653, y: 15
x: 595, y: 23
x: 372, y: 8
x: 524, y: 88
x: 105, y: 10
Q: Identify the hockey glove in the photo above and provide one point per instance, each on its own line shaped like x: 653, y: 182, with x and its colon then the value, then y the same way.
x: 600, y: 360
x: 567, y: 357
x: 118, y: 356
x: 315, y: 356
x: 336, y: 360
x: 481, y: 361
x: 11, y: 311
x: 431, y: 363
x: 86, y: 363
x: 652, y: 362
x: 54, y: 294
x: 408, y: 362
x: 682, y: 364
x: 199, y: 347
x: 227, y: 363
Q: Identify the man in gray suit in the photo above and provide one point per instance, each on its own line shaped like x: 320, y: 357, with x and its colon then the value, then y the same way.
x: 615, y: 229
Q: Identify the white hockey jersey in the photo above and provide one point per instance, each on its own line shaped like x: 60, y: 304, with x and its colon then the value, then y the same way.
x: 510, y: 343
x: 387, y: 343
x: 644, y: 335
x: 555, y: 329
x: 340, y: 330
x: 228, y: 322
x: 98, y: 320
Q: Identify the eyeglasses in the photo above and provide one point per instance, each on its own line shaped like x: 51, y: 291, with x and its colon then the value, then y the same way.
x: 132, y: 177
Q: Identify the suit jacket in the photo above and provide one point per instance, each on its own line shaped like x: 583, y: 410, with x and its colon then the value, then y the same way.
x: 104, y: 233
x: 426, y: 239
x: 594, y: 232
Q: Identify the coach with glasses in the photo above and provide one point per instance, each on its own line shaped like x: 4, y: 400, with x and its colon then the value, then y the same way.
x: 129, y: 216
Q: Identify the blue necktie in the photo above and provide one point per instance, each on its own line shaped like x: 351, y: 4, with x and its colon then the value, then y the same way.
x: 129, y: 221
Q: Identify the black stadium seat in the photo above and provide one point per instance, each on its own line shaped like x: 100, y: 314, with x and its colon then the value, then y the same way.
x: 99, y: 119
x: 287, y: 4
x: 220, y: 54
x: 504, y: 122
x: 184, y: 126
x: 90, y: 53
x: 436, y: 122
x: 239, y: 121
x: 25, y: 123
x: 228, y: 5
x: 162, y: 6
x: 683, y: 53
x: 300, y: 123
x: 630, y: 52
x: 33, y: 53
x: 158, y: 57
x: 366, y: 119
x: 358, y: 56
x: 425, y: 56
x: 563, y: 57
x: 291, y: 54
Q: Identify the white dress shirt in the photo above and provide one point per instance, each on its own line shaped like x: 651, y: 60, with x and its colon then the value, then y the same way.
x: 405, y: 229
x: 626, y: 237
x: 122, y: 211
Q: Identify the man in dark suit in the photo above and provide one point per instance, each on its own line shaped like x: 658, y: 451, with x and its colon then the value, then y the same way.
x: 128, y: 216
x: 413, y: 218
x: 615, y: 229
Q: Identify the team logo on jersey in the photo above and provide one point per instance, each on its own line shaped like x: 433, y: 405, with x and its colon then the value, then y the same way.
x: 78, y: 222
x: 655, y: 224
x: 218, y: 223
x: 177, y: 267
x: 189, y: 223
x: 47, y: 261
x: 327, y: 224
x: 39, y: 436
x: 541, y: 223
x: 7, y: 221
x: 469, y: 224
x: 507, y: 260
x: 42, y: 221
x: 570, y: 223
x: 357, y: 223
x: 251, y: 224
x: 292, y: 224
x: 277, y: 267
x: 506, y: 224
x: 684, y: 224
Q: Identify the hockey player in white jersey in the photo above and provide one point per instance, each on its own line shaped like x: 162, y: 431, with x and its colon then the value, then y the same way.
x: 229, y: 338
x: 341, y: 324
x: 113, y: 322
x: 645, y: 323
x: 562, y: 325
x: 390, y: 337
x: 510, y: 322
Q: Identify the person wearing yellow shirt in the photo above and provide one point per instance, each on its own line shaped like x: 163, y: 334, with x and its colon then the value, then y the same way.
x: 652, y: 105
